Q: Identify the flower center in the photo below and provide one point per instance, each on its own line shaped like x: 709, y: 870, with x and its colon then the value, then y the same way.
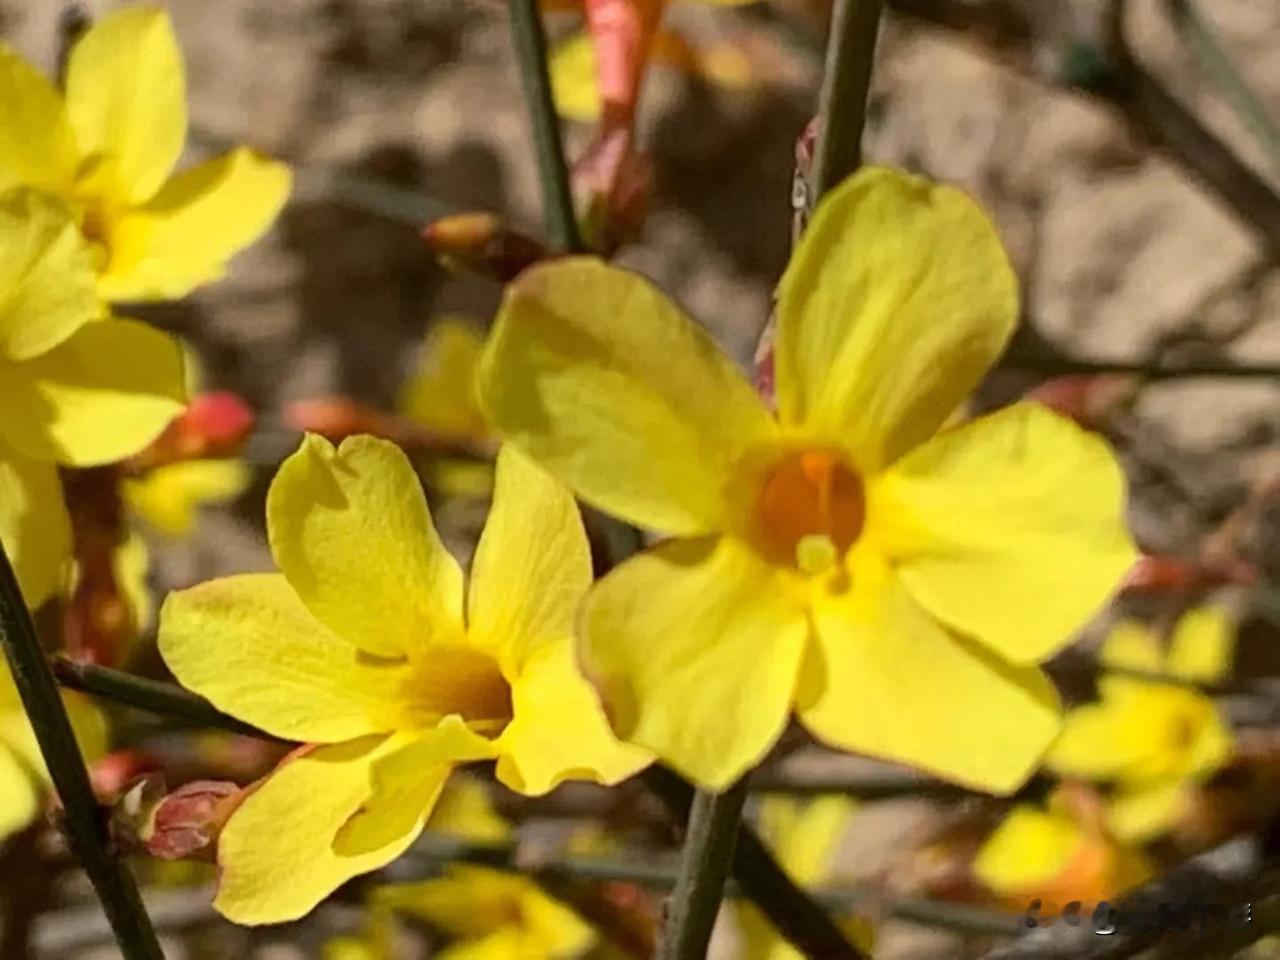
x: 464, y: 681
x: 809, y: 510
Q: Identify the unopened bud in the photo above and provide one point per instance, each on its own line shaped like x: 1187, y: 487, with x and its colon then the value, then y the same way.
x: 214, y: 424
x: 481, y: 243
x: 182, y: 825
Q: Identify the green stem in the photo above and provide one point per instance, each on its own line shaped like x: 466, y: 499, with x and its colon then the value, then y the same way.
x: 842, y: 105
x: 1197, y: 34
x: 705, y: 862
x: 84, y: 825
x: 553, y: 172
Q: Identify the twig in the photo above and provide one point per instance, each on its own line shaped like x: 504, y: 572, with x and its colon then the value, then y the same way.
x: 535, y: 82
x: 842, y: 105
x: 81, y: 927
x: 705, y: 861
x: 1065, y: 366
x: 85, y: 828
x: 1198, y: 35
x: 155, y: 696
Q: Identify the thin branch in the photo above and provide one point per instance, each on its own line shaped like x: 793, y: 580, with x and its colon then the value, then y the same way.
x: 705, y: 861
x: 84, y: 825
x: 1055, y: 366
x: 535, y: 82
x: 842, y: 105
x: 1199, y: 36
x: 154, y: 696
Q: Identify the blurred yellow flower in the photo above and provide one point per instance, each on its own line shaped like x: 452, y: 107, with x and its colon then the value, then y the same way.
x: 1155, y: 741
x: 23, y: 777
x: 77, y: 386
x: 360, y: 647
x: 109, y: 147
x: 492, y: 915
x: 804, y: 836
x: 893, y: 584
x: 442, y: 395
x: 168, y: 497
x: 1057, y: 854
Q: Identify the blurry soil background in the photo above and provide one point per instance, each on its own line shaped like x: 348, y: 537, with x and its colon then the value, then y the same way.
x: 1123, y: 254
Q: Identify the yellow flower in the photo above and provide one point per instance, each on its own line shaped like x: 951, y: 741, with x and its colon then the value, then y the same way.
x: 1155, y: 741
x: 895, y: 587
x: 168, y: 497
x: 77, y: 387
x: 23, y: 776
x: 442, y: 396
x: 108, y: 150
x: 492, y: 915
x: 804, y: 837
x: 1057, y: 854
x: 360, y: 647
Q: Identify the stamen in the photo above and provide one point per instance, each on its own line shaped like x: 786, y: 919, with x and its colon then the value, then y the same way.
x: 816, y: 553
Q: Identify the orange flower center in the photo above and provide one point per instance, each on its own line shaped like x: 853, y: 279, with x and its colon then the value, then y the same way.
x: 465, y: 681
x: 809, y: 510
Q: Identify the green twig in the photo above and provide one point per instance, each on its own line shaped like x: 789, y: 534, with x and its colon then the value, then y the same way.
x: 705, y: 861
x: 84, y: 825
x: 165, y: 699
x: 535, y: 82
x: 1198, y: 35
x: 842, y: 105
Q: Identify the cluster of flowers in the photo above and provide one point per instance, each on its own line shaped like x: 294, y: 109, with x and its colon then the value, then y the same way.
x: 849, y: 552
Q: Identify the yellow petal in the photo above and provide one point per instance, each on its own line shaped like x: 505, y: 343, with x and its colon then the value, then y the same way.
x: 532, y: 566
x: 464, y: 810
x: 46, y: 274
x: 442, y: 394
x: 16, y: 735
x: 1010, y: 528
x: 573, y: 78
x: 34, y: 526
x: 1097, y: 742
x: 1132, y: 646
x: 126, y: 96
x: 1141, y: 813
x: 168, y: 497
x: 805, y: 836
x: 19, y: 796
x: 1029, y: 847
x: 695, y: 646
x: 896, y: 303
x: 37, y: 147
x: 403, y: 779
x: 248, y: 644
x: 1203, y: 645
x: 277, y: 853
x: 594, y: 373
x: 351, y: 531
x: 887, y: 679
x: 130, y: 562
x: 101, y: 396
x: 559, y: 731
x: 195, y: 224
